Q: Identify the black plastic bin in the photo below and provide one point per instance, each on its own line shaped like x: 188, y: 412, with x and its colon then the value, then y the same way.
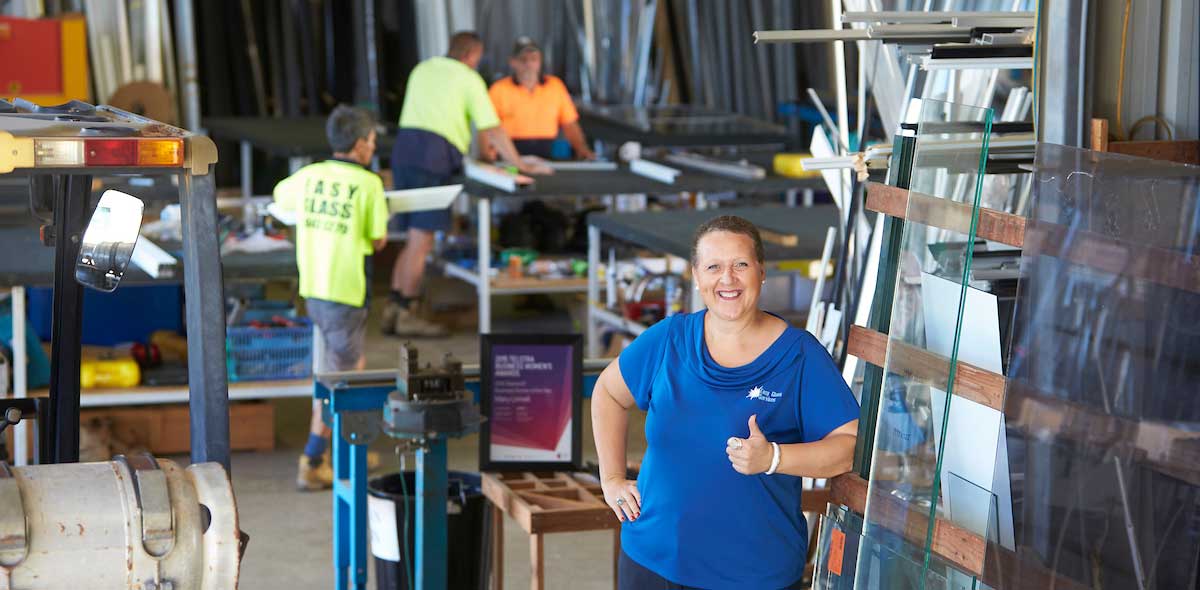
x: 468, y: 531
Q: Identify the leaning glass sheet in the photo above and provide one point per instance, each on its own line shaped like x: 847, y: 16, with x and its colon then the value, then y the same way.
x: 1103, y: 399
x: 905, y: 494
x: 847, y: 559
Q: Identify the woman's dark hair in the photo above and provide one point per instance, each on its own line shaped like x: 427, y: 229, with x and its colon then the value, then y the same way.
x: 732, y: 224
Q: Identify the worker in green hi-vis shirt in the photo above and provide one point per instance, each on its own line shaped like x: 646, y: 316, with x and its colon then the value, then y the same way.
x: 444, y: 98
x: 341, y: 219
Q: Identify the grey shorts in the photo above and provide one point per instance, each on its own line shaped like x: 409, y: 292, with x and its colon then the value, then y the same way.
x: 343, y: 330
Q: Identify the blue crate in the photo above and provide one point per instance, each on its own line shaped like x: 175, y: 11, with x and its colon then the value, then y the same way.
x: 255, y: 354
x: 129, y: 314
x: 264, y: 310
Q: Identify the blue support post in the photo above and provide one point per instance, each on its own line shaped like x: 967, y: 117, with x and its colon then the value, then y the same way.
x: 358, y: 514
x: 342, y: 531
x: 432, y: 483
x: 350, y: 482
x: 349, y: 510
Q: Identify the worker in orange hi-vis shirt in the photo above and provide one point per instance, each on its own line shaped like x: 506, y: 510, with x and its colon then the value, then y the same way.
x: 533, y: 106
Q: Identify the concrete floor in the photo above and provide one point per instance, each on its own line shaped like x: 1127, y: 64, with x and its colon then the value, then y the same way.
x: 291, y: 536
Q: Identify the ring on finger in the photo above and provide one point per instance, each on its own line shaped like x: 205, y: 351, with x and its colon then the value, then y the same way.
x: 620, y: 501
x: 734, y: 443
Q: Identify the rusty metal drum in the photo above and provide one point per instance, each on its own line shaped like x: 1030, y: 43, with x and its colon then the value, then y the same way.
x: 131, y: 523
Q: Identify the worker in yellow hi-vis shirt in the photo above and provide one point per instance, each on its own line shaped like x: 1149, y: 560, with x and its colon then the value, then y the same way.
x: 341, y: 219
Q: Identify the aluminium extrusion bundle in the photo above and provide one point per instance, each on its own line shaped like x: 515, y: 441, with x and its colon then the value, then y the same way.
x: 739, y: 170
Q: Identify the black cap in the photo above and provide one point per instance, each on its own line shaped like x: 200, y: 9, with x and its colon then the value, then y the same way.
x: 524, y: 44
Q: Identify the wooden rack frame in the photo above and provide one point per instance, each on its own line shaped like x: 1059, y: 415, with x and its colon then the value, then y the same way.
x: 958, y: 546
x: 545, y: 503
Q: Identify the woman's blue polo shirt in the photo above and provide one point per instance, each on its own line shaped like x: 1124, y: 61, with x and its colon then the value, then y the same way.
x: 702, y: 523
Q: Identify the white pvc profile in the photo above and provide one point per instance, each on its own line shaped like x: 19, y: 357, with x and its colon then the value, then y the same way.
x: 490, y: 175
x: 654, y: 171
x: 284, y: 216
x: 738, y: 170
x: 866, y: 294
x: 152, y: 259
x: 813, y: 325
x: 422, y: 199
x: 250, y: 390
x: 905, y: 16
x: 604, y: 316
x: 1016, y: 22
x: 1014, y: 104
x: 917, y: 31
x: 970, y: 63
x: 1022, y: 37
x: 582, y: 166
x: 879, y: 152
x: 831, y: 163
x: 1014, y: 140
x: 811, y: 36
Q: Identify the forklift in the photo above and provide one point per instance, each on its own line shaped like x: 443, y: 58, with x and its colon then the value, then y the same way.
x: 135, y: 521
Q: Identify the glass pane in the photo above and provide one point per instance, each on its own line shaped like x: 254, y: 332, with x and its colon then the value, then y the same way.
x: 837, y: 550
x: 847, y: 559
x: 1103, y: 400
x: 905, y: 484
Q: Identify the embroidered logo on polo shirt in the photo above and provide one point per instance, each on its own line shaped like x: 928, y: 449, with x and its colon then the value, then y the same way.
x: 763, y: 395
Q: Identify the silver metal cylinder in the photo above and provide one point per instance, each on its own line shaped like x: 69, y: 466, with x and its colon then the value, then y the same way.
x: 124, y: 524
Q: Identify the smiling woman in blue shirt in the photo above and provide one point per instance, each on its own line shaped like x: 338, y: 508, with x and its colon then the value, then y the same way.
x: 740, y: 406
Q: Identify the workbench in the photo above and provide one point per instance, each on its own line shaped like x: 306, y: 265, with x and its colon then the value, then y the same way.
x: 573, y: 184
x: 670, y: 232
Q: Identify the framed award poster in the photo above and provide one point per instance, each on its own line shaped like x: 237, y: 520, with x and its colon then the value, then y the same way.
x: 531, y: 398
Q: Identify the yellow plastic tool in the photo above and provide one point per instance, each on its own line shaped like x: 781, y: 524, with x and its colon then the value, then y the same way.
x: 789, y: 165
x: 109, y: 373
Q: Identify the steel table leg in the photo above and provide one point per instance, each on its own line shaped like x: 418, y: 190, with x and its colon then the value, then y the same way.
x: 593, y: 297
x: 484, y: 289
x: 432, y: 483
x: 20, y: 374
x: 340, y: 453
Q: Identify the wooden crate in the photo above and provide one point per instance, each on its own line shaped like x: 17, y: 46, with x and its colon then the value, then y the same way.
x: 164, y: 429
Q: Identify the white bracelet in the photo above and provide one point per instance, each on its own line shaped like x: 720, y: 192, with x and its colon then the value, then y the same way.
x: 774, y: 459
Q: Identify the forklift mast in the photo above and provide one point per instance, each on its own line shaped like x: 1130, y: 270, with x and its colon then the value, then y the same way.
x: 59, y: 149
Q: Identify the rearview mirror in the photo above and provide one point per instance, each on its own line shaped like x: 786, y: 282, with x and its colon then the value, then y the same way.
x: 108, y: 241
